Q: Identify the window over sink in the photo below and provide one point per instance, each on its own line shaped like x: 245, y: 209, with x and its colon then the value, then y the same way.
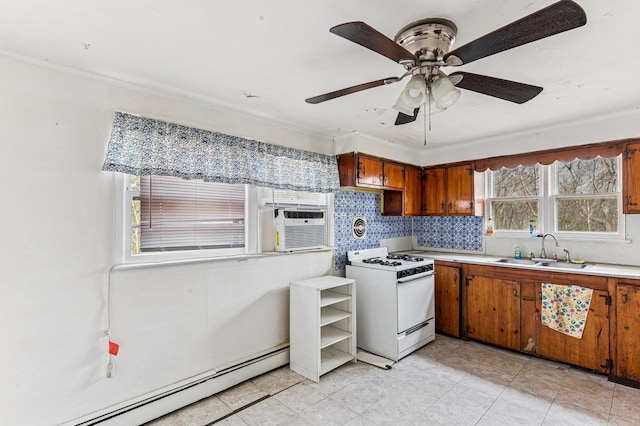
x: 572, y: 199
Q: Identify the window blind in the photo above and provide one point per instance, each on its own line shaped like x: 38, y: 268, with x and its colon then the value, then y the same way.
x: 178, y: 214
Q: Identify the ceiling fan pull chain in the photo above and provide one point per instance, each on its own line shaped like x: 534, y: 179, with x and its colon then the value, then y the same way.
x: 425, y: 122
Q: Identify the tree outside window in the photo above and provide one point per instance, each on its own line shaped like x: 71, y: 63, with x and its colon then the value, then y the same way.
x: 516, y: 198
x: 587, y: 195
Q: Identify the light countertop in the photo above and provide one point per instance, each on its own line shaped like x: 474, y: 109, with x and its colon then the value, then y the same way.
x: 601, y: 269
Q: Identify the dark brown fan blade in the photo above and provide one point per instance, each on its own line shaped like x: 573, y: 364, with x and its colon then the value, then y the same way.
x: 352, y: 89
x: 404, y: 118
x: 497, y: 87
x: 559, y: 17
x: 364, y: 35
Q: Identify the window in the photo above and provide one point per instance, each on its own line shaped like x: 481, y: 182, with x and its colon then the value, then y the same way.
x: 517, y: 197
x: 169, y: 214
x: 578, y: 198
x: 587, y: 195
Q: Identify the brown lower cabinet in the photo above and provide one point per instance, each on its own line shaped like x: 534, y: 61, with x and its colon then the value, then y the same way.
x: 592, y: 350
x: 493, y: 311
x: 502, y: 306
x: 626, y: 363
x: 447, y: 297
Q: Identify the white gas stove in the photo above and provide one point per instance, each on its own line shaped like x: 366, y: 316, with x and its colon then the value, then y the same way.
x: 405, y: 265
x: 395, y: 308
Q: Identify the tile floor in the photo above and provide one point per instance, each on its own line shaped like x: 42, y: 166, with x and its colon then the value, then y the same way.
x: 447, y: 382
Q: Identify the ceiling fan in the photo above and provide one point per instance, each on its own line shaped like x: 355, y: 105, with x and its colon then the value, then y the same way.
x: 422, y: 48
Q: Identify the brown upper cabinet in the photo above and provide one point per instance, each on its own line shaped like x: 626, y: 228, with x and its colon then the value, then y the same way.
x: 631, y: 172
x: 412, y: 194
x: 370, y: 172
x: 449, y: 190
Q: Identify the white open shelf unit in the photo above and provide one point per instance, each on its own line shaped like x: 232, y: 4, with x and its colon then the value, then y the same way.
x: 322, y: 330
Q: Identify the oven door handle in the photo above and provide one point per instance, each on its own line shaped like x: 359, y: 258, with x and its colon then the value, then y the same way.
x: 417, y: 327
x: 410, y: 278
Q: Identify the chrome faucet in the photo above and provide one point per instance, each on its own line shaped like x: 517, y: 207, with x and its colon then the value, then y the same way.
x: 543, y: 253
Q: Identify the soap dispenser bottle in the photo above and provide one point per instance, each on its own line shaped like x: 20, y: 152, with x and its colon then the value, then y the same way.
x: 490, y: 227
x: 517, y: 253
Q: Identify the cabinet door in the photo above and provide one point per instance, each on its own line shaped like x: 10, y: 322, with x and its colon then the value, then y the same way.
x: 347, y: 169
x: 460, y: 190
x: 592, y: 350
x: 412, y: 191
x: 434, y: 192
x: 393, y: 175
x: 627, y: 332
x: 493, y: 311
x: 447, y: 284
x: 370, y: 171
x: 631, y: 170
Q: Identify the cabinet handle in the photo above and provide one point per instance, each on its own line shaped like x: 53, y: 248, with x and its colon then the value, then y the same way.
x: 628, y: 201
x: 525, y: 298
x: 624, y: 299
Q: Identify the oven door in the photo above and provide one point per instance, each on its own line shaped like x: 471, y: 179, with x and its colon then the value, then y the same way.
x: 415, y: 300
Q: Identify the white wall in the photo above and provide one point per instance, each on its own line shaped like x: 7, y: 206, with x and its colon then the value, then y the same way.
x: 56, y: 250
x: 601, y: 128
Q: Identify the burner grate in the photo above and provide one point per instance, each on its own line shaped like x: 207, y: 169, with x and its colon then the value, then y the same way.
x: 378, y: 261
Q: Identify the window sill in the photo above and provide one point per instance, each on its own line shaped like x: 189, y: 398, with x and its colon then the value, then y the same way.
x: 227, y: 258
x: 561, y: 238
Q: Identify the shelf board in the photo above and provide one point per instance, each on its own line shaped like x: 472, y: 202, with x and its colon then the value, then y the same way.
x: 332, y: 335
x: 331, y: 297
x: 332, y: 358
x: 330, y: 315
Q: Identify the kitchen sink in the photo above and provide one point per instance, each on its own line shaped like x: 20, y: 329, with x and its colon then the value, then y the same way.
x: 563, y: 265
x: 517, y: 261
x: 543, y: 263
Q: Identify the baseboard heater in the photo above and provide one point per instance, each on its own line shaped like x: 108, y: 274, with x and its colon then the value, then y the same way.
x: 184, y: 393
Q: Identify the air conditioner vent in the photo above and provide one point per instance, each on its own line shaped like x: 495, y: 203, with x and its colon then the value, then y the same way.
x: 300, y: 229
x: 359, y: 228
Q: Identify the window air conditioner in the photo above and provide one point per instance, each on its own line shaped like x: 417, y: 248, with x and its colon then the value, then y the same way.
x: 300, y: 229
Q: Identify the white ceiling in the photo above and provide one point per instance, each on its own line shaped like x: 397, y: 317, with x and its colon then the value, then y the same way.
x: 266, y: 57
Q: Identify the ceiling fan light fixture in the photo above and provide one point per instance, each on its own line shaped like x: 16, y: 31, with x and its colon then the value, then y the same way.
x: 412, y: 96
x: 433, y: 108
x: 444, y: 92
x: 400, y: 107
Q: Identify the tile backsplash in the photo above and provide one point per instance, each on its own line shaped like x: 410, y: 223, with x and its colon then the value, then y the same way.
x: 449, y: 232
x: 459, y: 233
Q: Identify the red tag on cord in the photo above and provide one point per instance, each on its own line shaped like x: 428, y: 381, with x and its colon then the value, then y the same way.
x: 113, y: 348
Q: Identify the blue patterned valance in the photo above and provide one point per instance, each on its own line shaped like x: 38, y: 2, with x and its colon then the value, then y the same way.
x: 143, y: 146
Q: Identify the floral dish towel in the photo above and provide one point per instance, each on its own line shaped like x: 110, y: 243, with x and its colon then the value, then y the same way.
x: 565, y: 308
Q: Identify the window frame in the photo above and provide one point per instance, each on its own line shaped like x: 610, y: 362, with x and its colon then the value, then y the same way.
x: 489, y: 178
x: 123, y: 231
x: 551, y: 213
x: 548, y: 212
